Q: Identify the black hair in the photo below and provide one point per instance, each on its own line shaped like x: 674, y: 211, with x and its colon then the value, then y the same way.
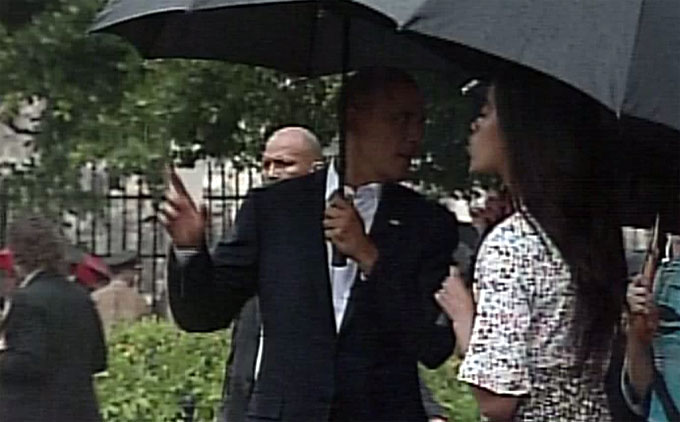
x: 554, y: 137
x: 362, y: 87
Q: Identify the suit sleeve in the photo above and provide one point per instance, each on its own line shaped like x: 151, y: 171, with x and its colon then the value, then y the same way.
x: 207, y: 291
x: 437, y: 235
x: 25, y: 357
x: 437, y: 340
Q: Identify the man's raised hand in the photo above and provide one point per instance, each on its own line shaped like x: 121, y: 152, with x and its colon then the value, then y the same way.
x: 184, y: 222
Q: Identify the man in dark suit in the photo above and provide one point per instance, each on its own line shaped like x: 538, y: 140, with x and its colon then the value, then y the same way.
x: 291, y: 151
x: 52, y: 336
x: 341, y: 343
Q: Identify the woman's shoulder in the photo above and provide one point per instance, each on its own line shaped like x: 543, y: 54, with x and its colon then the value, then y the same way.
x: 514, y: 230
x: 520, y: 236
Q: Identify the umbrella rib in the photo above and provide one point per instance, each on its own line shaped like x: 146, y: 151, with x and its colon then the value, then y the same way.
x: 413, y: 17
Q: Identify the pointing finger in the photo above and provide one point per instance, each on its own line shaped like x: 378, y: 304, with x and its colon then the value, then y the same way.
x: 178, y: 186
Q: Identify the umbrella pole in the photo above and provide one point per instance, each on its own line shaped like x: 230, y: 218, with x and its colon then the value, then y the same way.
x: 338, y: 259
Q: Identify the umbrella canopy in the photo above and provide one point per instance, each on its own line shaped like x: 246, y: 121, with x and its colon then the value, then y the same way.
x: 626, y: 55
x: 304, y: 37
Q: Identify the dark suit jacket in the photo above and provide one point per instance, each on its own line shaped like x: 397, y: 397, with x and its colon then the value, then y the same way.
x: 240, y: 369
x: 366, y: 372
x: 54, y: 345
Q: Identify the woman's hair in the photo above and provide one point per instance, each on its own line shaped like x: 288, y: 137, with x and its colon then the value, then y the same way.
x: 555, y: 138
x: 36, y: 243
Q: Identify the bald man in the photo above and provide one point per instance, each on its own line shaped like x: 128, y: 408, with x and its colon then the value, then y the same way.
x: 291, y: 151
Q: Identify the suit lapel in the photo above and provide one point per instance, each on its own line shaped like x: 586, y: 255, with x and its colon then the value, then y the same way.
x: 318, y: 255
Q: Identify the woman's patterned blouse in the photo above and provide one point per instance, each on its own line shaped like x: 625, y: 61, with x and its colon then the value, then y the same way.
x: 521, y: 341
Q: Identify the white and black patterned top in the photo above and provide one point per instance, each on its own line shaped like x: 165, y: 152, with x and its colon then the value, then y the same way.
x: 521, y: 343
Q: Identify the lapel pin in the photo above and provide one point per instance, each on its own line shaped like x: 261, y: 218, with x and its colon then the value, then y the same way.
x: 394, y: 222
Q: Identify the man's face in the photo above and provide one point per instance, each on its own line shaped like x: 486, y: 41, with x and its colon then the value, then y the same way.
x: 389, y: 132
x: 287, y: 155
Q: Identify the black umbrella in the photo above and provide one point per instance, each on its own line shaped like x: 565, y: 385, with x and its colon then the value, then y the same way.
x: 303, y: 37
x: 625, y: 54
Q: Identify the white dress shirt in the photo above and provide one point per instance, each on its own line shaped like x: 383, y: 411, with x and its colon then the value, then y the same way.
x: 365, y: 200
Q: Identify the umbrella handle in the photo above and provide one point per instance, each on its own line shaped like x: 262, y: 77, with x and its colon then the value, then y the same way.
x: 338, y: 259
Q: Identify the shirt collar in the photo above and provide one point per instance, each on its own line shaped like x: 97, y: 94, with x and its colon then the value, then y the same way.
x: 29, y: 278
x: 369, y: 190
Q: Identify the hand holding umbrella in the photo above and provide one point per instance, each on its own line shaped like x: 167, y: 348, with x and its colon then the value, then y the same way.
x: 644, y: 314
x: 344, y: 228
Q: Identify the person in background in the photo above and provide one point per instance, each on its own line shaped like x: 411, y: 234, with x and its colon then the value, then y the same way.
x: 549, y: 279
x: 53, y: 341
x: 651, y: 376
x: 291, y: 151
x: 119, y: 300
x: 496, y: 208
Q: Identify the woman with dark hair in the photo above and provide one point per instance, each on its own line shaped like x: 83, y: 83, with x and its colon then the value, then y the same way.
x: 550, y: 279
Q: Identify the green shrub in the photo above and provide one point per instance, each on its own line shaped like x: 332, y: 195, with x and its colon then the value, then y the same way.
x: 450, y: 393
x: 153, y: 365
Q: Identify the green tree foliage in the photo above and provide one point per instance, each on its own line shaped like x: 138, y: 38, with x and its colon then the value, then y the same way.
x: 108, y: 103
